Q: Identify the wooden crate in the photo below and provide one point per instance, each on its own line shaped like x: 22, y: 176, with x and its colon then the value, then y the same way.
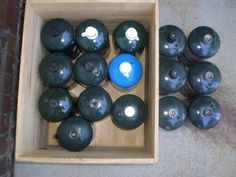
x: 35, y: 137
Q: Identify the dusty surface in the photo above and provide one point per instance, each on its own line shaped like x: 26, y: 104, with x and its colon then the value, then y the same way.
x: 187, y: 151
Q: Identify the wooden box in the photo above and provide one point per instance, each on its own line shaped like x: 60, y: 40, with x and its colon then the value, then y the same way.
x: 110, y: 145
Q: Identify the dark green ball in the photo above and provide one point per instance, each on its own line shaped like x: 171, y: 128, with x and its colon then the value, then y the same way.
x: 172, y: 41
x: 90, y: 69
x: 56, y: 70
x: 133, y: 44
x: 204, y: 42
x: 129, y: 112
x: 94, y: 103
x: 74, y: 134
x: 98, y: 42
x: 57, y: 35
x: 55, y: 104
x: 172, y: 76
x: 204, y: 112
x: 204, y: 78
x: 172, y: 113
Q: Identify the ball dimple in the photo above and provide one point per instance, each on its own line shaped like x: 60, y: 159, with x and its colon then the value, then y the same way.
x: 93, y: 103
x: 73, y: 134
x: 53, y: 67
x: 96, y: 72
x: 55, y: 31
x: 172, y: 113
x: 89, y: 66
x: 207, y: 38
x: 53, y: 103
x: 209, y: 76
x: 208, y: 112
x: 173, y: 74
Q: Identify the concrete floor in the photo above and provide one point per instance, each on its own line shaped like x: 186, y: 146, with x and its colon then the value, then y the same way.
x: 186, y: 152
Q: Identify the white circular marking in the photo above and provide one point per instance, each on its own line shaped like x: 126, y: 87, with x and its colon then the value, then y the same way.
x: 129, y: 111
x: 125, y: 68
x: 131, y: 34
x: 166, y: 46
x: 90, y: 32
x: 165, y: 113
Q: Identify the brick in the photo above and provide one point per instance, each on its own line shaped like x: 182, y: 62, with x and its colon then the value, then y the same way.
x: 8, y: 41
x: 3, y: 10
x: 4, y: 144
x: 3, y: 44
x: 7, y: 123
x: 15, y: 86
x: 8, y: 64
x: 11, y: 46
x: 4, y: 124
x: 13, y: 4
x: 9, y: 13
x: 6, y: 83
x: 9, y: 84
x: 21, y: 4
x: 7, y: 104
x: 5, y: 164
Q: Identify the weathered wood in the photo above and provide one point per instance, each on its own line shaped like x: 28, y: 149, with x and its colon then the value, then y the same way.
x: 35, y: 137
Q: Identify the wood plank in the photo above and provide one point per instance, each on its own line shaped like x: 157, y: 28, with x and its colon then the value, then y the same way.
x: 110, y: 13
x: 153, y: 125
x: 33, y: 134
x: 92, y: 155
x: 29, y: 124
x: 90, y: 1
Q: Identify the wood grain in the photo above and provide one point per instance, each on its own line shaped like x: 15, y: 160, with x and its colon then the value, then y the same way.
x: 110, y: 13
x: 91, y: 155
x: 30, y: 126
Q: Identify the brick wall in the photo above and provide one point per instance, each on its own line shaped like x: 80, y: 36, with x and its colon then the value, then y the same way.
x: 11, y: 15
